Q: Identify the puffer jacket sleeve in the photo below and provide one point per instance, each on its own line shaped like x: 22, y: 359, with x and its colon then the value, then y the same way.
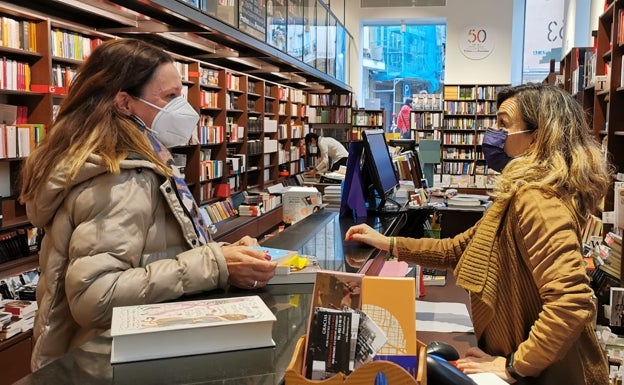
x: 434, y: 253
x: 109, y: 235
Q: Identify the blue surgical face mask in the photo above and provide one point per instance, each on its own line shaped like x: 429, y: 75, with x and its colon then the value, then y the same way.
x: 493, y: 147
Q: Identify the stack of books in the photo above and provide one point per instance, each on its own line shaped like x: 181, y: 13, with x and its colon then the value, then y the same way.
x: 332, y: 195
x: 473, y: 201
x: 16, y: 316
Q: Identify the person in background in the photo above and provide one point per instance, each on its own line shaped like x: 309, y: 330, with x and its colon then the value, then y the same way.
x: 404, y: 119
x: 329, y: 149
x: 522, y: 263
x: 121, y: 227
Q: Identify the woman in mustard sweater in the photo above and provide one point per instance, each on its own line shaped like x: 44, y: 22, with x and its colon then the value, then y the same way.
x: 522, y: 263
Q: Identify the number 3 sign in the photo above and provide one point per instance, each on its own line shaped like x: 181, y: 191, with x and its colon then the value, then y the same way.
x: 475, y: 42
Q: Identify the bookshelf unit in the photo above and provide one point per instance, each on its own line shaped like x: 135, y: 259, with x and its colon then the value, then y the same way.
x: 329, y: 114
x: 608, y: 112
x: 366, y: 120
x: 468, y: 111
x: 427, y: 116
x: 426, y: 124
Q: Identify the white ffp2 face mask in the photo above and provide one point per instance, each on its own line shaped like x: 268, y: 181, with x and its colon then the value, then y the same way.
x: 175, y: 122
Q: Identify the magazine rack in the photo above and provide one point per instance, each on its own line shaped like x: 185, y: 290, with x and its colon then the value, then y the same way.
x: 364, y: 375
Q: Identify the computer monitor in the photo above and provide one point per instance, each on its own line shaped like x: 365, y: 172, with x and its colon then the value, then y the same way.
x: 378, y: 174
x: 404, y: 144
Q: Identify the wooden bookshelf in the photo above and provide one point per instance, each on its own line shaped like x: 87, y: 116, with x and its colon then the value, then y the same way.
x: 469, y: 109
x: 608, y: 115
x: 366, y: 120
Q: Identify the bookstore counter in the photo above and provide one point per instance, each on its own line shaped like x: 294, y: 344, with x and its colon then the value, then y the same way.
x: 320, y: 234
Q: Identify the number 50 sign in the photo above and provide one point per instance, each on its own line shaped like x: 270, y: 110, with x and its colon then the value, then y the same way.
x: 475, y: 42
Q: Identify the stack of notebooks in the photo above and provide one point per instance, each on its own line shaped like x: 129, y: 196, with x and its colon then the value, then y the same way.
x: 332, y: 195
x: 469, y: 201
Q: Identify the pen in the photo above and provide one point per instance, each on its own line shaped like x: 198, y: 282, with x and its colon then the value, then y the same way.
x: 380, y: 379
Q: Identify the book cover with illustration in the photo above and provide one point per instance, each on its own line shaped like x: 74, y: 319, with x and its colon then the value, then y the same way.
x: 192, y: 327
x: 391, y: 303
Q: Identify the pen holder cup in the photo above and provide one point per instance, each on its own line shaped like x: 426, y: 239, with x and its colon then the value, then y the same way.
x: 432, y: 233
x: 364, y: 375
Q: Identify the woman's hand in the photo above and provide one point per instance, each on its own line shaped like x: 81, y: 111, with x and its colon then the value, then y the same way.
x: 246, y: 241
x: 366, y: 234
x: 478, y: 361
x: 249, y: 268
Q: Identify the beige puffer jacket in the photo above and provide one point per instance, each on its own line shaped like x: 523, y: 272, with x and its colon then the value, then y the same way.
x: 112, y: 240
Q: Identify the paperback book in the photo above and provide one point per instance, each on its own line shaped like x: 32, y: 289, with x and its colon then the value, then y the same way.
x: 292, y: 267
x: 153, y: 331
x: 331, y: 348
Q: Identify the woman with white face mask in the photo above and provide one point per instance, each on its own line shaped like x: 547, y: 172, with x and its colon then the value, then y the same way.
x: 121, y: 228
x: 522, y: 263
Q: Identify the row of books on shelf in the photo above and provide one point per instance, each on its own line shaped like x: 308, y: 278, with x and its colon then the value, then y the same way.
x: 217, y: 211
x: 18, y: 141
x: 232, y: 82
x: 210, y: 169
x: 330, y: 99
x: 234, y: 132
x: 426, y: 120
x: 255, y: 205
x: 462, y: 138
x: 296, y: 131
x: 455, y: 167
x: 236, y: 164
x: 427, y: 102
x: 460, y: 108
x: 465, y: 123
x: 208, y: 77
x: 14, y: 244
x: 210, y: 134
x: 18, y: 34
x: 364, y: 118
x: 255, y: 125
x: 485, y: 181
x: 458, y: 153
x: 62, y: 75
x: 339, y: 115
x: 15, y: 75
x: 208, y: 99
x: 471, y: 92
x: 72, y: 45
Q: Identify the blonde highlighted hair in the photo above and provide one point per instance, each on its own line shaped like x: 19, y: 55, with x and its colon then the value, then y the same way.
x: 565, y: 160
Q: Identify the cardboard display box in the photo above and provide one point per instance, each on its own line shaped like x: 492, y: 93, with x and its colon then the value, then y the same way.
x: 299, y: 202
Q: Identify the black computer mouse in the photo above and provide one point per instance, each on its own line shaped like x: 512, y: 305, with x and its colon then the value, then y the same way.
x: 442, y: 350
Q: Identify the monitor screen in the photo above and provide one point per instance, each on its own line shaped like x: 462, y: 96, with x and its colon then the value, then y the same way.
x: 404, y: 144
x: 378, y: 162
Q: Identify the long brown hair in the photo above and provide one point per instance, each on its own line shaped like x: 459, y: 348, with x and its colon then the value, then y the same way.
x: 565, y: 160
x: 87, y: 122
